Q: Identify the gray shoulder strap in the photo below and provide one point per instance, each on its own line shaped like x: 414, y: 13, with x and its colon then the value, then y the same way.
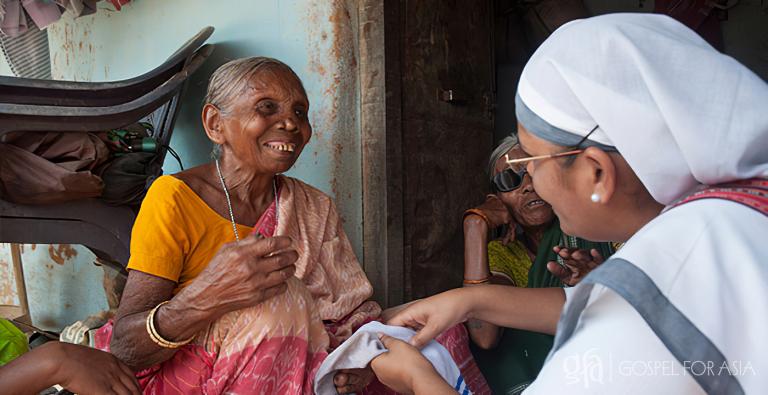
x: 678, y: 333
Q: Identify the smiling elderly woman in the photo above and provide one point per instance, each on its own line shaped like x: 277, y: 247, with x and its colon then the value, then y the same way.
x: 240, y: 279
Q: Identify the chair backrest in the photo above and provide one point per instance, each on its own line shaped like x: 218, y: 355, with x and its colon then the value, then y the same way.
x: 15, y: 90
x: 104, y: 229
x: 46, y: 118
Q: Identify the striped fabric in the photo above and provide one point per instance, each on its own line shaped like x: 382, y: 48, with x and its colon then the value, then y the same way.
x: 27, y: 54
x: 461, y: 386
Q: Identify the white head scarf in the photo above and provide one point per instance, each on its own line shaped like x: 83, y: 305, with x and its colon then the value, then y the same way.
x: 678, y: 111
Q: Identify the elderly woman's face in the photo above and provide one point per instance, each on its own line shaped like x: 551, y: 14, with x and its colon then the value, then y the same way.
x: 527, y: 208
x: 267, y: 125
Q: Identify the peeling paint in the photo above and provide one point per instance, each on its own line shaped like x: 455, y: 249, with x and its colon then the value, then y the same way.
x: 58, y: 294
x: 61, y: 253
x: 72, y: 49
x: 335, y: 64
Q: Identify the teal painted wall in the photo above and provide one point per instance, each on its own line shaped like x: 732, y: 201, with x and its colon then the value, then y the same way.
x: 62, y: 283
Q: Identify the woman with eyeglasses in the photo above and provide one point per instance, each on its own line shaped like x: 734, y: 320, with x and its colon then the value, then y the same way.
x: 533, y: 252
x: 636, y: 130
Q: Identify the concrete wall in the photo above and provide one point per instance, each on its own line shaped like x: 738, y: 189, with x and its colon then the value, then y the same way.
x: 63, y: 284
x: 317, y: 38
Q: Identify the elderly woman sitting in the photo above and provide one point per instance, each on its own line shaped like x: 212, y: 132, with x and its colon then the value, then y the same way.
x: 532, y: 252
x: 240, y: 279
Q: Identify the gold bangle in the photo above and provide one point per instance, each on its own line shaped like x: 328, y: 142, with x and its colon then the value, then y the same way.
x: 474, y: 211
x: 476, y: 282
x: 155, y: 336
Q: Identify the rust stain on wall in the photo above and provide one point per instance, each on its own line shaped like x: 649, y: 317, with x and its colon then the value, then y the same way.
x: 61, y: 253
x: 22, y: 247
x: 335, y: 63
x: 72, y: 49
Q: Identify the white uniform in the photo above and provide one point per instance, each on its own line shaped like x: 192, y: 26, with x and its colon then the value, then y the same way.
x: 705, y: 257
x: 695, y: 280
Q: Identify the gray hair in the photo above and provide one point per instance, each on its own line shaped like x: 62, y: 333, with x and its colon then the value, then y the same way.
x: 504, y: 146
x: 231, y: 79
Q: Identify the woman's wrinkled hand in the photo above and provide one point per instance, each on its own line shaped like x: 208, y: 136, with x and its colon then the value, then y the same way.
x: 578, y: 263
x: 401, y: 366
x: 242, y: 275
x: 510, y: 235
x: 86, y: 371
x: 432, y: 316
x: 496, y: 212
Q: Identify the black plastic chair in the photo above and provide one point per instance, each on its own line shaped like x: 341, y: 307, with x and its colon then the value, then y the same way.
x: 48, y: 118
x: 102, y: 228
x: 97, y: 94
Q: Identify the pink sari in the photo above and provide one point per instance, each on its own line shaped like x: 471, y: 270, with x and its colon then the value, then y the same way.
x: 278, y: 345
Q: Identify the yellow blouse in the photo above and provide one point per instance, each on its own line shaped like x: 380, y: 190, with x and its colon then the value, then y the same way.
x: 176, y: 233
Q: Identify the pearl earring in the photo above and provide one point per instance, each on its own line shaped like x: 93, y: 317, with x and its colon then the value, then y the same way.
x: 595, y: 197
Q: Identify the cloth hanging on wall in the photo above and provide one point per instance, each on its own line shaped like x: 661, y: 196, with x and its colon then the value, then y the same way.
x: 23, y: 41
x: 78, y: 8
x: 13, y: 14
x: 43, y: 13
x: 27, y: 51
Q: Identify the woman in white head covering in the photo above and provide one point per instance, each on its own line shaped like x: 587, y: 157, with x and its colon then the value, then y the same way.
x: 632, y: 121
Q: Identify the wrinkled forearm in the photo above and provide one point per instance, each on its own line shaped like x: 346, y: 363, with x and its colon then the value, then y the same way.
x: 475, y: 248
x: 131, y: 342
x: 132, y: 345
x: 484, y: 334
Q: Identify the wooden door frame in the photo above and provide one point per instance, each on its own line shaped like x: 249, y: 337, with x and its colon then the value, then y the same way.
x: 384, y: 259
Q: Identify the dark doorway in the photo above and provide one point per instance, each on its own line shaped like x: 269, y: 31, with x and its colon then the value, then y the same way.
x: 446, y: 95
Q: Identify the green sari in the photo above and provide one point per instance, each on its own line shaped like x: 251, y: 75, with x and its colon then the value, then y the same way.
x: 515, y: 362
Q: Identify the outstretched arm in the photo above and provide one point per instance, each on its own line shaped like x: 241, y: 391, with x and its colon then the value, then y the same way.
x: 533, y: 309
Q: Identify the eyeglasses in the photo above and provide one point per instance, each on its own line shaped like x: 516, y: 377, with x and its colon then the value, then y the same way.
x: 509, y: 179
x: 575, y: 151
